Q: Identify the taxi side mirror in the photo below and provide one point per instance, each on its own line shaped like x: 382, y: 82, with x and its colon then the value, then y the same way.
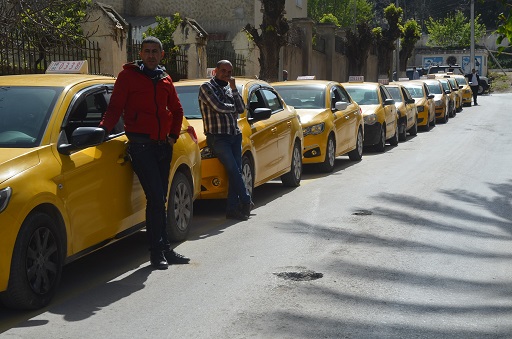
x: 431, y: 96
x: 260, y: 114
x: 82, y: 137
x: 410, y: 101
x: 341, y: 105
x: 389, y: 102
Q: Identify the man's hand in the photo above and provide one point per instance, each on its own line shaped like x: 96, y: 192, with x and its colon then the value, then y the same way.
x: 232, y: 83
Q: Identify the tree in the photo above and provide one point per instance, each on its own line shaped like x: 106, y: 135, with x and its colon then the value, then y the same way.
x: 504, y: 29
x: 43, y: 24
x: 411, y: 33
x: 386, y: 37
x: 164, y: 29
x: 454, y: 31
x: 270, y: 37
x: 357, y: 45
x: 342, y: 10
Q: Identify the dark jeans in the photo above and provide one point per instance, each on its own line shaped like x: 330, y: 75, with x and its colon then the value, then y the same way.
x: 474, y: 89
x: 228, y: 148
x: 152, y: 163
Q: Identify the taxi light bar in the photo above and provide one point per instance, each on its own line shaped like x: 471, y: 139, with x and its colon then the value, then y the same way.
x: 403, y: 79
x: 306, y: 77
x: 68, y: 67
x: 356, y: 78
x: 383, y: 81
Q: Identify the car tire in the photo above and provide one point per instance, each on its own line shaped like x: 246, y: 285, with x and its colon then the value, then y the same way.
x: 402, y: 135
x: 330, y: 154
x: 433, y: 122
x: 36, y: 264
x: 180, y: 208
x: 292, y: 178
x: 480, y: 90
x: 394, y: 139
x: 381, y: 145
x: 357, y: 153
x: 414, y: 128
x: 248, y: 174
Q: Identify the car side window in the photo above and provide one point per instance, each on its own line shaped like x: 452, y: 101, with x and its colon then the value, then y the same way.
x: 272, y: 99
x: 255, y: 101
x: 407, y: 95
x: 385, y: 94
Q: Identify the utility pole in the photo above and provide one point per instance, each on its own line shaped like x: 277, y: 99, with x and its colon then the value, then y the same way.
x: 397, y: 58
x: 472, y: 24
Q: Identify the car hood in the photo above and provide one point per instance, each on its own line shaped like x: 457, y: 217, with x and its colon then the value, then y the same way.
x: 198, y: 127
x: 309, y: 115
x: 16, y: 160
x: 368, y: 109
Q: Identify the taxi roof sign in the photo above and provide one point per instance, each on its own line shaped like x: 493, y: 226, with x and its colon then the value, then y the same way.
x: 383, y: 81
x: 403, y: 79
x: 210, y: 72
x: 356, y: 78
x: 306, y: 77
x: 67, y: 67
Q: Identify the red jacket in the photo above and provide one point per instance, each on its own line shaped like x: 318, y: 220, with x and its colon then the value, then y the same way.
x: 148, y: 106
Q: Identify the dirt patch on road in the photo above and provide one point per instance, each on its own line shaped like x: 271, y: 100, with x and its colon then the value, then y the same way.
x: 501, y: 83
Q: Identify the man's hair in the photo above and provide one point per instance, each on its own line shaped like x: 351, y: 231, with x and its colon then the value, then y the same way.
x: 224, y: 62
x: 151, y: 40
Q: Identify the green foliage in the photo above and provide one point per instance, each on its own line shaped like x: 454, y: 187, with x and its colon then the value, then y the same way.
x: 46, y: 26
x: 342, y: 10
x: 504, y: 30
x: 164, y: 29
x: 330, y: 19
x: 411, y: 33
x: 454, y: 31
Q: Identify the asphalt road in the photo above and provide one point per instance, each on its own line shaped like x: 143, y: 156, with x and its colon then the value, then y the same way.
x: 415, y: 242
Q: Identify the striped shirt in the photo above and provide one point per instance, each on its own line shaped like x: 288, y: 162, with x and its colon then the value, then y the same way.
x: 220, y: 107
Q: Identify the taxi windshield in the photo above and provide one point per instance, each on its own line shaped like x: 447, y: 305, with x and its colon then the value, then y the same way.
x: 363, y: 95
x: 24, y: 114
x: 188, y: 96
x: 395, y: 93
x: 416, y: 91
x: 303, y: 97
x: 434, y: 88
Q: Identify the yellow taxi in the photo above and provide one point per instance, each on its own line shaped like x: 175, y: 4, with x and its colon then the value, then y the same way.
x: 67, y: 189
x: 424, y: 103
x: 452, y: 96
x: 467, y: 94
x: 379, y: 112
x: 272, y: 138
x: 441, y: 98
x: 456, y: 89
x: 332, y: 122
x: 406, y: 108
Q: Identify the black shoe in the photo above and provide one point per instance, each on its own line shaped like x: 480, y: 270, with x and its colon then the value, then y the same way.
x: 158, y: 261
x: 237, y: 215
x: 475, y: 104
x: 175, y: 258
x: 246, y: 208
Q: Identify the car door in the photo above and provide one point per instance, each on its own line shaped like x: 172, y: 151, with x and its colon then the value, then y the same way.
x: 346, y: 120
x: 282, y: 121
x: 391, y: 117
x: 263, y: 138
x: 409, y: 107
x: 103, y: 196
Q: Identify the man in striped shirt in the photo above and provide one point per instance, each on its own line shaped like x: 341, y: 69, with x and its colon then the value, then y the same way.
x: 220, y: 105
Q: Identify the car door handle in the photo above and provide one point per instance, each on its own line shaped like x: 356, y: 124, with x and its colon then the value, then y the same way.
x: 289, y: 123
x: 274, y: 130
x: 123, y: 159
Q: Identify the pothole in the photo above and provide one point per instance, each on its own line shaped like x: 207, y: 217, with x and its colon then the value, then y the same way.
x: 306, y: 275
x: 362, y: 212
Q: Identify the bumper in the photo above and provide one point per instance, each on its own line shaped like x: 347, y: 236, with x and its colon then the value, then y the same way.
x: 314, y: 148
x: 371, y: 134
x: 214, y: 180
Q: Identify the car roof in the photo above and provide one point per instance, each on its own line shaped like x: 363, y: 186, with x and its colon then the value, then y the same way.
x: 54, y: 80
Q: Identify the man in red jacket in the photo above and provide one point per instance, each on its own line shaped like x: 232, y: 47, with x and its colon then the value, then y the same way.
x: 145, y: 95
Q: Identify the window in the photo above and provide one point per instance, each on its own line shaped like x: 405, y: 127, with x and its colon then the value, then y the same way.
x: 298, y: 3
x: 273, y: 101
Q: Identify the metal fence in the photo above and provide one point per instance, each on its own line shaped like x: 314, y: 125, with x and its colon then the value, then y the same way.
x: 174, y: 61
x: 19, y: 56
x: 214, y: 54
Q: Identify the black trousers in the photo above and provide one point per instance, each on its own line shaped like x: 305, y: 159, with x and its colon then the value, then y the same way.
x: 474, y: 89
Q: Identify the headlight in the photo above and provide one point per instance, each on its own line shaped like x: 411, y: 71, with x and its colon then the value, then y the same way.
x: 370, y: 119
x: 421, y: 108
x: 467, y: 91
x: 438, y: 102
x: 5, y: 196
x: 314, y: 130
x: 207, y: 153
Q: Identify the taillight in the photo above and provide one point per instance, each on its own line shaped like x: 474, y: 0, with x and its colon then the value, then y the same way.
x: 192, y: 132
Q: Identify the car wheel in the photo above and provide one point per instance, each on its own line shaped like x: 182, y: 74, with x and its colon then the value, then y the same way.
x: 292, y: 178
x: 414, y: 128
x: 36, y: 264
x: 248, y: 174
x: 381, y: 145
x: 433, y: 122
x: 357, y: 153
x: 446, y: 117
x: 480, y: 90
x: 402, y: 134
x: 330, y: 155
x: 394, y: 139
x: 180, y: 208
